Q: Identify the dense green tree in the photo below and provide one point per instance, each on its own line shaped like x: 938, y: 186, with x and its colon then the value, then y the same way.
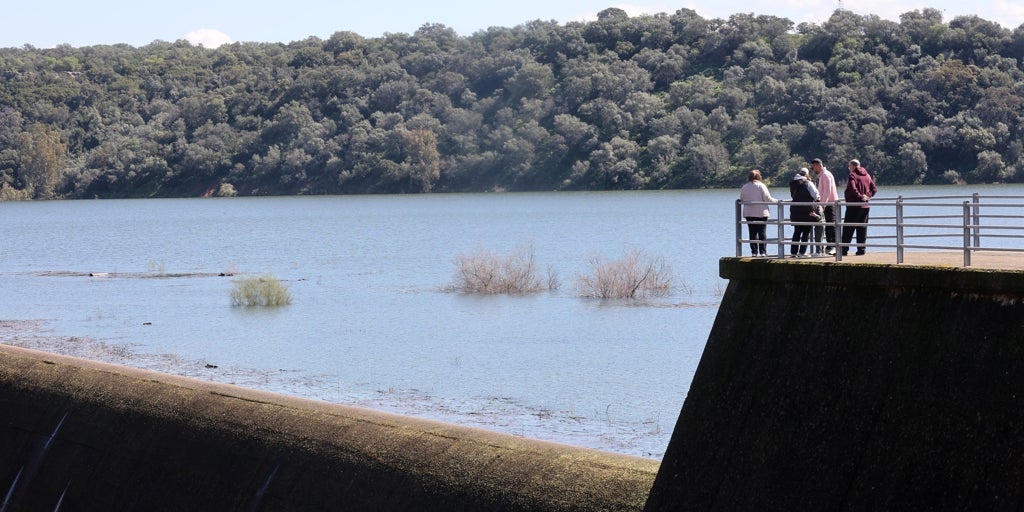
x: 708, y: 161
x: 41, y: 157
x: 663, y: 157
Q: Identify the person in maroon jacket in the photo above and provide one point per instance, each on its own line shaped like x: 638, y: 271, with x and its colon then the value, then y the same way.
x: 860, y: 188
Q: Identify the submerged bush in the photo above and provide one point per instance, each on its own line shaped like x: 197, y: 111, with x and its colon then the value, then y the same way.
x: 634, y: 276
x: 489, y: 273
x: 260, y: 291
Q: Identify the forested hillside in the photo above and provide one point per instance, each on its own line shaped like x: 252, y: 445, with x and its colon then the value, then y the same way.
x: 647, y: 102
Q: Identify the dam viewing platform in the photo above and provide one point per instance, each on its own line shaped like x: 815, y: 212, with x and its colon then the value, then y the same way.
x: 991, y: 260
x: 961, y: 230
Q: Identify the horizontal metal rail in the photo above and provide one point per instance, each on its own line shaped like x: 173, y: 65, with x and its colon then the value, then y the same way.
x: 966, y: 223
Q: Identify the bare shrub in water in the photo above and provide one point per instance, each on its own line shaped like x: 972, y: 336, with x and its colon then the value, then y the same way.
x: 634, y: 276
x: 260, y: 291
x: 489, y: 273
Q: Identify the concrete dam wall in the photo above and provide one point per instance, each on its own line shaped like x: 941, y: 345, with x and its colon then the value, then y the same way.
x: 82, y: 435
x: 854, y: 387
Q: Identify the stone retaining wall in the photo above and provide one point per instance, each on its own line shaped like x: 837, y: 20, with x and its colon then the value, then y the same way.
x: 81, y: 435
x: 854, y: 387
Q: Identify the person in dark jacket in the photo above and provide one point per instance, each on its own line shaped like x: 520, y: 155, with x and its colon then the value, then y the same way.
x: 860, y: 188
x: 801, y: 191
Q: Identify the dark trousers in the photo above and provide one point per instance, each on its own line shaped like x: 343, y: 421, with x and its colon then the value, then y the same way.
x: 818, y: 229
x: 856, y: 215
x: 830, y: 219
x: 800, y: 234
x: 756, y: 229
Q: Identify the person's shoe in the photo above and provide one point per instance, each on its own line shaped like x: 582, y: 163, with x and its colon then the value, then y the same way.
x: 830, y: 252
x: 861, y: 253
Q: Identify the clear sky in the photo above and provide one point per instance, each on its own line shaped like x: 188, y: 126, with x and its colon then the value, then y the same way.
x: 210, y: 22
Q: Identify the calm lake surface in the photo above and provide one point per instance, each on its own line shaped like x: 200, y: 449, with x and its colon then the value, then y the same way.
x: 373, y: 322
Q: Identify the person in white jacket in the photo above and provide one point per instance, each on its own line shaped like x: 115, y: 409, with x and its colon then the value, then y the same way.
x: 755, y: 198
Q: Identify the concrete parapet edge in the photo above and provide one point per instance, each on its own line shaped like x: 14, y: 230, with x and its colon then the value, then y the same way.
x: 829, y: 273
x: 102, y: 436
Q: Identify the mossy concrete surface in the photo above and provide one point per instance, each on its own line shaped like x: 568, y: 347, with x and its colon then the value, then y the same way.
x: 82, y: 435
x: 854, y: 387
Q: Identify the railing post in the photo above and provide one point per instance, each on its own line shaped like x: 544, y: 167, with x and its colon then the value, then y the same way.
x: 899, y: 228
x: 977, y: 219
x: 739, y: 228
x: 781, y: 229
x: 967, y: 233
x: 837, y: 214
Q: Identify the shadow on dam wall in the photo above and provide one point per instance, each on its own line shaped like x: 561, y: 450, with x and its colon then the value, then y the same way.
x: 822, y: 387
x: 854, y: 387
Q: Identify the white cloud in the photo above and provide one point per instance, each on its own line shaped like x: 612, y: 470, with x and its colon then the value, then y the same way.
x: 208, y: 38
x: 1009, y: 14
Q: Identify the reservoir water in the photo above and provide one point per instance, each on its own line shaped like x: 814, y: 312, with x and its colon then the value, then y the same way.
x: 373, y: 321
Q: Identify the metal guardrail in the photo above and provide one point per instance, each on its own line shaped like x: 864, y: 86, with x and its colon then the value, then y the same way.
x: 924, y: 223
